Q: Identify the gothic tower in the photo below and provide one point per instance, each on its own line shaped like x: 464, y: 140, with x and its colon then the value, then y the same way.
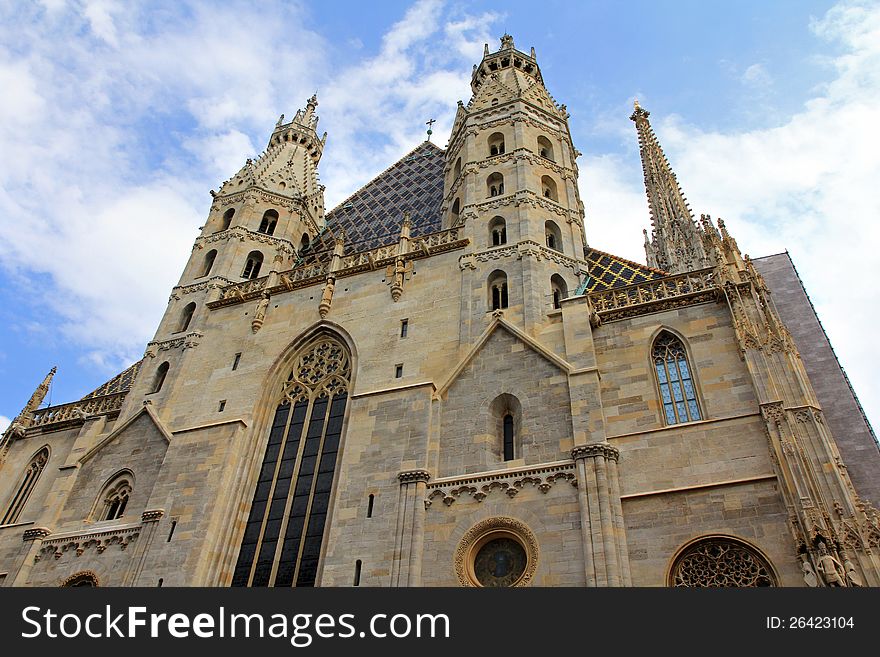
x: 258, y: 223
x: 510, y: 183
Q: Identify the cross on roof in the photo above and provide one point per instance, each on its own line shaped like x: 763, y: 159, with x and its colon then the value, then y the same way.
x: 430, y: 125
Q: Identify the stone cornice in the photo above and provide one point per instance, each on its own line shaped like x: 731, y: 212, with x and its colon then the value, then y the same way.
x: 521, y: 249
x: 188, y: 341
x: 511, y: 482
x: 243, y: 234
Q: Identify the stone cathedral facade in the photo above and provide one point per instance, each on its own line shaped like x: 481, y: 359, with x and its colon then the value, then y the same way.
x: 440, y: 382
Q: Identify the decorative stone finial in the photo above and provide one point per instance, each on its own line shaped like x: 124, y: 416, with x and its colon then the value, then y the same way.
x: 506, y: 42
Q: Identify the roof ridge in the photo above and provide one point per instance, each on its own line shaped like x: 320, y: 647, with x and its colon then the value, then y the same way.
x: 382, y: 173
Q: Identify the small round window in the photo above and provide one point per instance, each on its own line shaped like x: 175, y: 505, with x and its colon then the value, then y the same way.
x: 497, y: 552
x: 500, y: 562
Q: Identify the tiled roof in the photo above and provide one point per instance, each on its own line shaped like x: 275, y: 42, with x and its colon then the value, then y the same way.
x: 119, y: 383
x: 607, y: 270
x: 371, y: 217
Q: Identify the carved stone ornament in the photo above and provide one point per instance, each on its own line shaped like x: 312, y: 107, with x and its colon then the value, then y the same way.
x: 413, y: 476
x: 597, y: 449
x: 82, y: 578
x: 513, y: 537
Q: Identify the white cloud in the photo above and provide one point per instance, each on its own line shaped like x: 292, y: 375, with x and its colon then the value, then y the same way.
x: 807, y: 185
x: 756, y: 75
x: 4, y: 422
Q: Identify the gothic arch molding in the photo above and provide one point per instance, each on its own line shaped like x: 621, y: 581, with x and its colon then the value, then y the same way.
x: 85, y: 578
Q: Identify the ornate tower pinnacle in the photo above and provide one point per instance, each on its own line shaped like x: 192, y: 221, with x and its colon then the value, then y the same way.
x: 676, y: 245
x: 26, y: 417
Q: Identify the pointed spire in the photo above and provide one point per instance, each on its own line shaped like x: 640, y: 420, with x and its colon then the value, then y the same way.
x: 676, y: 245
x: 24, y: 419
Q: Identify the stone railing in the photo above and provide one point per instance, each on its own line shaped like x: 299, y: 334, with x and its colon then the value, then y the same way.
x: 420, y: 247
x: 79, y: 410
x: 653, y: 296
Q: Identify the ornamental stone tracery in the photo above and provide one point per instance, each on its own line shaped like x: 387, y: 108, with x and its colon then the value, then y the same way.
x: 721, y: 562
x: 322, y: 371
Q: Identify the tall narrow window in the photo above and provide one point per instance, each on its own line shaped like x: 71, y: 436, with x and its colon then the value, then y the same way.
x: 545, y: 148
x: 559, y: 290
x: 159, y: 379
x: 227, y: 218
x: 552, y: 235
x: 209, y: 262
x: 498, y: 231
x: 252, y: 265
x: 404, y: 327
x: 270, y: 220
x: 25, y: 488
x: 455, y: 211
x: 495, y: 184
x: 498, y: 290
x: 677, y: 391
x: 282, y: 539
x: 186, y: 316
x: 548, y: 188
x: 304, y: 243
x: 508, y: 437
x: 357, y: 572
x: 370, y: 500
x: 496, y: 144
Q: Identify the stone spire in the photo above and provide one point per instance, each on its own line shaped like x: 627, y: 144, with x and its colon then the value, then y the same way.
x: 24, y: 419
x: 676, y: 244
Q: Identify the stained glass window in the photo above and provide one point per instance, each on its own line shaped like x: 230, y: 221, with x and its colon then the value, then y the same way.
x: 677, y: 392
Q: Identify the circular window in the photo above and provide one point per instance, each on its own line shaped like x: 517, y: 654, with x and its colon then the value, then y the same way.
x: 500, y: 562
x: 497, y: 552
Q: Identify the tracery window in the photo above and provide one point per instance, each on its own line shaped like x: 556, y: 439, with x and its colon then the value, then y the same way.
x: 498, y: 231
x: 26, y: 487
x: 674, y: 378
x: 114, y: 498
x: 270, y: 220
x: 721, y: 562
x: 285, y: 528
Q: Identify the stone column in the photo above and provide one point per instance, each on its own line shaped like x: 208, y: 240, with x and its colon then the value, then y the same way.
x: 605, y: 554
x: 406, y: 570
x: 149, y: 520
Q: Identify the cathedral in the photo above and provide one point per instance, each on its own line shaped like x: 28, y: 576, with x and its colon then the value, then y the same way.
x: 442, y: 382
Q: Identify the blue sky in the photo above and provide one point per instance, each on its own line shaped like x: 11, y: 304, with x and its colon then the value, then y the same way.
x: 118, y: 118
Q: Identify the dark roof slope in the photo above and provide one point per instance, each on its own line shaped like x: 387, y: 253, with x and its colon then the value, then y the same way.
x: 119, y: 383
x: 371, y: 217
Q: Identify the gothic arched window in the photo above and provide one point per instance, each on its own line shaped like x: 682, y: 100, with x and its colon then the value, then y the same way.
x: 285, y: 527
x: 496, y: 144
x: 548, y: 188
x: 227, y: 218
x: 209, y: 262
x: 545, y: 148
x: 456, y: 171
x: 505, y: 412
x: 186, y: 316
x: 559, y: 288
x: 721, y: 562
x: 674, y: 378
x: 455, y: 211
x: 495, y: 184
x: 26, y: 486
x: 159, y: 379
x: 497, y: 231
x: 497, y: 290
x: 86, y: 578
x: 270, y: 220
x: 114, y: 497
x: 252, y: 265
x: 552, y: 236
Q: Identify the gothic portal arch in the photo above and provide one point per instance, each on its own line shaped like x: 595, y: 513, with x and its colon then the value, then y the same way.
x: 283, y: 536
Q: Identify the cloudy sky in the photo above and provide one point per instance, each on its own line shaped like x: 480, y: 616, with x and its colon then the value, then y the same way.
x: 118, y: 118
